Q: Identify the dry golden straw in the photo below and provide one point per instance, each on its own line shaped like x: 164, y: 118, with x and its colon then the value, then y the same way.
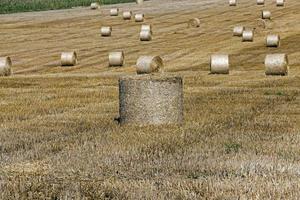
x: 146, y: 27
x: 194, y: 22
x: 149, y: 64
x: 106, y: 31
x: 219, y: 64
x: 127, y: 15
x: 279, y: 2
x: 95, y: 6
x: 150, y: 100
x: 247, y: 36
x: 238, y: 31
x: 5, y: 66
x: 139, y: 17
x: 276, y: 64
x: 145, y: 36
x: 260, y: 2
x: 114, y: 12
x: 273, y: 40
x: 68, y: 58
x: 232, y: 2
x: 116, y: 58
x: 265, y: 14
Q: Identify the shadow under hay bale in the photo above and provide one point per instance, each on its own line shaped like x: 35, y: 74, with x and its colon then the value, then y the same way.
x: 5, y: 66
x: 150, y: 100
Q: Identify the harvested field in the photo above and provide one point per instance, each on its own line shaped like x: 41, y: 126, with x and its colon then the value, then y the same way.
x: 58, y: 136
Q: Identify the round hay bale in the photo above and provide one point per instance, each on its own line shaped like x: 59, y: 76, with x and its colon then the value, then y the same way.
x: 68, y: 58
x: 146, y: 27
x: 276, y: 64
x: 149, y: 64
x: 232, y: 2
x: 247, y: 36
x: 114, y: 12
x: 265, y: 14
x: 145, y: 36
x: 261, y: 23
x: 127, y: 15
x: 279, y: 2
x: 150, y: 100
x: 95, y: 6
x: 273, y: 40
x: 116, y: 58
x: 238, y: 31
x: 194, y: 22
x: 219, y: 64
x: 5, y: 66
x: 139, y: 1
x: 139, y: 17
x: 260, y: 2
x: 106, y: 31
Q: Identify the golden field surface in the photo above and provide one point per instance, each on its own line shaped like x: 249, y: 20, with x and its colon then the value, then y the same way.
x: 241, y: 135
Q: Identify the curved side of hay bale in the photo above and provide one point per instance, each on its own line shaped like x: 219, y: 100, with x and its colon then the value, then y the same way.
x: 95, y: 6
x: 145, y: 36
x: 106, y: 31
x: 219, y: 64
x: 116, y: 58
x: 273, y: 41
x: 139, y: 17
x: 5, y: 66
x: 276, y: 64
x: 260, y: 2
x: 265, y: 14
x: 194, y: 22
x: 232, y: 2
x: 114, y: 12
x: 149, y: 64
x: 68, y: 58
x: 279, y: 2
x: 238, y: 31
x: 247, y: 36
x: 146, y: 27
x: 150, y: 100
x: 127, y: 15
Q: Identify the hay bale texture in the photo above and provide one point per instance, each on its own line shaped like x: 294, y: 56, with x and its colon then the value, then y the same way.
x: 106, y: 31
x: 145, y: 35
x: 114, y: 12
x: 279, y: 2
x: 95, y: 6
x: 116, y: 59
x: 127, y: 15
x: 150, y: 100
x: 219, y: 64
x: 247, y: 36
x: 139, y: 17
x: 232, y: 2
x: 260, y: 2
x: 68, y: 58
x: 276, y: 64
x: 5, y: 66
x: 149, y: 64
x: 194, y: 22
x: 238, y: 31
x: 273, y: 40
x: 265, y: 14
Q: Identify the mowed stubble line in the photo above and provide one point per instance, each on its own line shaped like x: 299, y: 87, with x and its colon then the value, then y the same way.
x: 58, y: 133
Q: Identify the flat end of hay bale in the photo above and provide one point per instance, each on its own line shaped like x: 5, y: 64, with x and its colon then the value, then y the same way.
x: 5, y: 66
x: 149, y: 64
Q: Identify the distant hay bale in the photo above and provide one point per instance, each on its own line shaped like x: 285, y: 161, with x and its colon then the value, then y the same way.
x: 247, y: 36
x: 106, y: 31
x: 238, y: 31
x: 194, y: 22
x: 150, y: 100
x: 279, y: 2
x: 276, y: 64
x: 145, y: 36
x: 139, y: 1
x: 261, y: 23
x: 116, y: 59
x: 265, y: 14
x: 114, y: 12
x: 149, y: 64
x: 68, y: 58
x: 127, y: 15
x: 95, y: 6
x: 260, y: 2
x: 146, y: 27
x: 219, y: 64
x: 273, y: 40
x: 232, y: 2
x: 5, y: 66
x: 139, y: 17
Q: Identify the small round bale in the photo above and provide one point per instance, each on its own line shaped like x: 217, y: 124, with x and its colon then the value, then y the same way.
x: 127, y: 15
x: 247, y: 36
x: 150, y: 100
x: 232, y: 2
x: 238, y: 31
x: 116, y: 58
x: 146, y: 27
x: 260, y: 2
x: 194, y: 22
x: 114, y: 12
x: 106, y: 31
x: 68, y: 58
x: 139, y: 17
x: 265, y: 14
x: 139, y: 1
x: 261, y: 23
x: 276, y: 64
x: 149, y: 64
x: 279, y: 2
x: 219, y: 64
x: 273, y: 40
x: 5, y: 66
x: 145, y: 36
x: 95, y: 6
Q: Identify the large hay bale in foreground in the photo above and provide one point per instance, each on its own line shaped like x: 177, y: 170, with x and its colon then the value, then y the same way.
x: 149, y: 64
x: 219, y: 64
x: 116, y: 58
x: 95, y: 6
x: 273, y: 40
x: 279, y: 2
x: 68, y: 58
x: 151, y: 100
x: 247, y: 36
x: 276, y: 64
x: 5, y: 66
x: 238, y: 31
